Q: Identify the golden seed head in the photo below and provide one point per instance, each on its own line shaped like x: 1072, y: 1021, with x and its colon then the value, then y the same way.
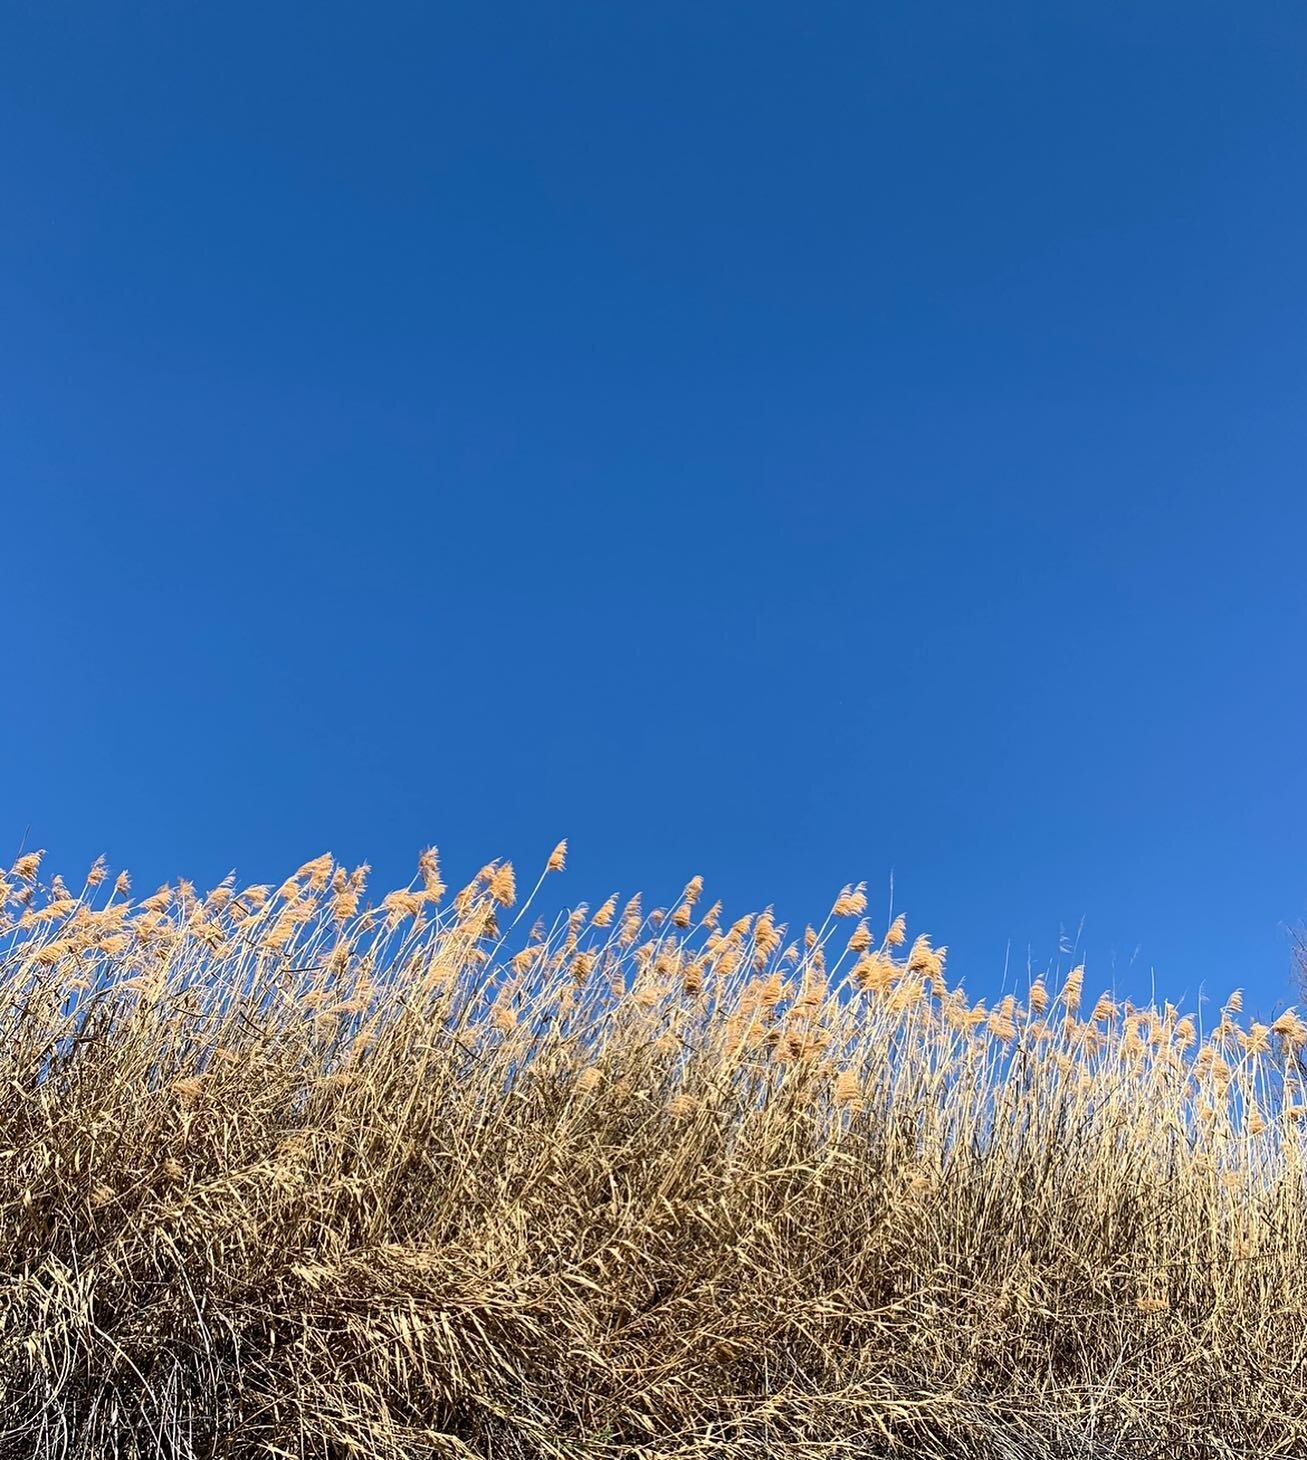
x: 1291, y: 1028
x: 766, y: 939
x: 524, y: 958
x: 1104, y: 1010
x: 503, y: 886
x: 1002, y: 1020
x: 317, y: 872
x: 632, y: 921
x: 400, y: 904
x: 874, y: 973
x: 1257, y: 1040
x: 851, y: 903
x: 920, y: 954
x: 813, y: 994
x: 557, y: 858
x: 770, y: 992
x: 429, y: 871
x: 157, y: 901
x: 860, y: 939
x: 1072, y: 988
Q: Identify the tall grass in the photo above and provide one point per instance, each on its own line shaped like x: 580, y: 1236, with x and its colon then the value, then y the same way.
x: 283, y: 1173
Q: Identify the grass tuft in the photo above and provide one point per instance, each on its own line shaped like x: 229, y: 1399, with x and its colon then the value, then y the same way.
x: 297, y: 1173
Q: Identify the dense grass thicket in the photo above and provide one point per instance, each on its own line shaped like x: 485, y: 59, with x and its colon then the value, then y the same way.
x: 286, y: 1173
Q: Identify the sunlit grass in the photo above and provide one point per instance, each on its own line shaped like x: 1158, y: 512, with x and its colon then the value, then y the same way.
x: 288, y: 1172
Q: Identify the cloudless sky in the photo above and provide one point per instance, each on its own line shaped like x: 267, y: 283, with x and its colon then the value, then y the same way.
x: 789, y: 443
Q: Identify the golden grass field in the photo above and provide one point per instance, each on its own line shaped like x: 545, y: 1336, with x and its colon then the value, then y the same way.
x: 287, y: 1173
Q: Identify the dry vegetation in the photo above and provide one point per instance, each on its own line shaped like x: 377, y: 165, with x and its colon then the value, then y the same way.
x: 286, y: 1174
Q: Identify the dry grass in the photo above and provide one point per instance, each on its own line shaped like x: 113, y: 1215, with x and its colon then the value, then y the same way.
x: 282, y: 1174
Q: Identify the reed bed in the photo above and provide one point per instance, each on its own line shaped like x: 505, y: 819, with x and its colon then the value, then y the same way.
x: 291, y: 1173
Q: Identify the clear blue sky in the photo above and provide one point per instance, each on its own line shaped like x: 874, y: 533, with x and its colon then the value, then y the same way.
x: 790, y: 443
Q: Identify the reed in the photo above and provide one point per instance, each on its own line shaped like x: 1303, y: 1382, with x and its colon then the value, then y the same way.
x: 310, y: 1172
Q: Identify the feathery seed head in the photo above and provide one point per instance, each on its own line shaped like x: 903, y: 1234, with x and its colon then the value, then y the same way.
x: 847, y: 1091
x: 503, y: 886
x: 1072, y: 989
x: 429, y: 871
x: 851, y: 902
x: 860, y: 939
x: 1104, y: 1010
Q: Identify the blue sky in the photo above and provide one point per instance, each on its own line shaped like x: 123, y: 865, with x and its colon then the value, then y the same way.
x: 792, y: 444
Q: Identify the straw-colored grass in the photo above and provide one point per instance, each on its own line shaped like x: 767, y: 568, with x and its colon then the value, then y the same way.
x: 288, y: 1174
